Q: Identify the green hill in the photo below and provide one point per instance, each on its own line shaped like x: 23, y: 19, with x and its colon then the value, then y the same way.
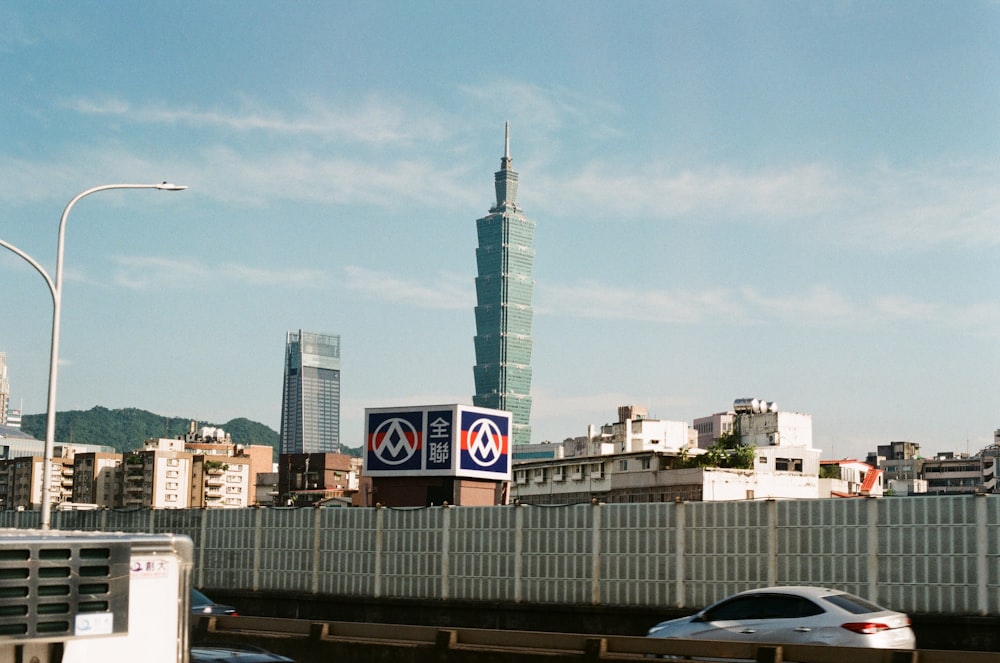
x: 128, y: 428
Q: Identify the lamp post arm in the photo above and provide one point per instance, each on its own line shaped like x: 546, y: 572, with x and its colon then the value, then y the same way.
x: 31, y: 261
x: 69, y: 206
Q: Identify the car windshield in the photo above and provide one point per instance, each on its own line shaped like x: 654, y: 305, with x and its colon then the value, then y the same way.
x: 198, y: 599
x: 853, y: 604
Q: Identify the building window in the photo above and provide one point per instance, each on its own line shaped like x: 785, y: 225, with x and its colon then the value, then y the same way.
x: 788, y: 464
x: 623, y: 465
x: 171, y: 474
x: 172, y: 462
x: 645, y: 463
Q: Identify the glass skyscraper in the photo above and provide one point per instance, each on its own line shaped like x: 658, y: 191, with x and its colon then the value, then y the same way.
x: 310, y: 404
x: 503, y: 304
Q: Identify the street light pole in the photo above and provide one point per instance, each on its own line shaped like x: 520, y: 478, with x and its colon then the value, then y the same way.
x: 55, y: 288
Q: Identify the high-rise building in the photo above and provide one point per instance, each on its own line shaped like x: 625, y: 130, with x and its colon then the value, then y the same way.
x: 4, y: 389
x: 503, y: 311
x: 310, y: 404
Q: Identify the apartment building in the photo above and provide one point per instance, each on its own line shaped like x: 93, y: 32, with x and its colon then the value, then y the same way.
x: 221, y: 482
x: 850, y: 478
x: 310, y: 477
x: 97, y: 478
x: 157, y: 476
x: 21, y: 482
x: 958, y: 473
x: 638, y: 459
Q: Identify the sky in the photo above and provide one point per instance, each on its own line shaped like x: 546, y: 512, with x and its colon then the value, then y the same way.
x: 793, y: 201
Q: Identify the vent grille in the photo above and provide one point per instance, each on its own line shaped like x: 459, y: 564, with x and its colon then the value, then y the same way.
x: 55, y: 590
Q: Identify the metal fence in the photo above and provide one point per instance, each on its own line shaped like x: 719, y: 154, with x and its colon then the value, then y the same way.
x: 917, y: 554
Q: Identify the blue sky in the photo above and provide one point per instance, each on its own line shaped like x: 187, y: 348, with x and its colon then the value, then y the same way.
x: 796, y: 201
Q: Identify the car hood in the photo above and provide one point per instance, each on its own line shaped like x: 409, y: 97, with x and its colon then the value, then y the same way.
x: 672, y: 627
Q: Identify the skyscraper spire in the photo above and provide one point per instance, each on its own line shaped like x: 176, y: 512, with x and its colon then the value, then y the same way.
x: 505, y: 180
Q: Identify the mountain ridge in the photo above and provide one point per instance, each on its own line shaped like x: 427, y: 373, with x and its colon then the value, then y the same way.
x: 126, y: 429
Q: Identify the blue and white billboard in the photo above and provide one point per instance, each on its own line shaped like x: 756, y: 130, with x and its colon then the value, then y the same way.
x: 438, y: 440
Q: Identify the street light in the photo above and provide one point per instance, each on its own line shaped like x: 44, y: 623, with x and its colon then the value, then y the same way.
x: 55, y: 288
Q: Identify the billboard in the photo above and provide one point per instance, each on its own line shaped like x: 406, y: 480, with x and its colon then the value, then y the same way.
x: 438, y: 440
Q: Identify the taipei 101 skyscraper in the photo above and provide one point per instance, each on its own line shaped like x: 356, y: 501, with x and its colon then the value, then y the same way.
x: 503, y: 303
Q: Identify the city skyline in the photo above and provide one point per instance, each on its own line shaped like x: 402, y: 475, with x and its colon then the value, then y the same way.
x: 792, y: 201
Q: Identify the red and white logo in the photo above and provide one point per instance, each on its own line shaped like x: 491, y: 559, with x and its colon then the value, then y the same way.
x: 395, y: 441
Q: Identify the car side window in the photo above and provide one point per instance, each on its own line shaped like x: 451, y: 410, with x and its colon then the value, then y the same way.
x: 793, y: 607
x: 763, y: 606
x: 739, y: 608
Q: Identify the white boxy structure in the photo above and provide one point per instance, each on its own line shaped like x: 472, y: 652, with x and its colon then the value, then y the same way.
x: 82, y: 597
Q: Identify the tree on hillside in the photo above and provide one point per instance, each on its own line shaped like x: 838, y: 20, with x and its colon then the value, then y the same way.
x: 128, y: 428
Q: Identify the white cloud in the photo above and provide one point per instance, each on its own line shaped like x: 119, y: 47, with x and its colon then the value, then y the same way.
x: 448, y: 291
x: 876, y: 207
x: 604, y: 301
x: 143, y: 272
x: 375, y: 120
x: 819, y: 305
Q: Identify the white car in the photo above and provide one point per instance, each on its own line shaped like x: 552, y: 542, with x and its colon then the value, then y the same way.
x: 794, y: 615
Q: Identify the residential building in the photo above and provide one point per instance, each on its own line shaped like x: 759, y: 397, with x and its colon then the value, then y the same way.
x: 505, y: 258
x: 215, y: 444
x: 307, y: 478
x: 21, y: 481
x: 266, y: 490
x: 896, y: 458
x: 97, y: 478
x: 951, y: 473
x: 158, y: 476
x: 712, y: 427
x: 853, y: 479
x: 310, y: 403
x: 649, y: 476
x: 221, y: 482
x: 635, y: 431
x: 639, y: 459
